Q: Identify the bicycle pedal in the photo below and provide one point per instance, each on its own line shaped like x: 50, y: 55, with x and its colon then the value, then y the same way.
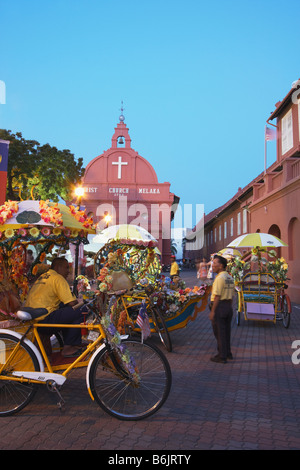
x: 53, y: 388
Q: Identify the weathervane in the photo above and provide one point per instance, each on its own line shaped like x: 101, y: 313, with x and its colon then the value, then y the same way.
x: 122, y: 118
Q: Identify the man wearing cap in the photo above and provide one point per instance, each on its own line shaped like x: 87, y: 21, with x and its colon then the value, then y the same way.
x: 221, y: 310
x: 174, y: 271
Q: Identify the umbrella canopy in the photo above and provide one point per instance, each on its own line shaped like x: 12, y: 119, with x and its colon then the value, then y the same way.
x: 229, y: 253
x: 263, y: 240
x: 126, y: 234
x: 15, y: 215
x: 40, y: 223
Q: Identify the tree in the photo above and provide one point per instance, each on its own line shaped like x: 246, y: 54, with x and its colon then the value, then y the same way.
x: 173, y: 247
x: 39, y: 172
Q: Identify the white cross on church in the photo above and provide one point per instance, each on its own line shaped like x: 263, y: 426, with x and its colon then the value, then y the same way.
x: 119, y: 163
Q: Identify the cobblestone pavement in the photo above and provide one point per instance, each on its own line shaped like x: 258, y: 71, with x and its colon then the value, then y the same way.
x: 252, y: 402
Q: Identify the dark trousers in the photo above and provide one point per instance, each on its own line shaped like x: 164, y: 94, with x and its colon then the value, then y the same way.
x: 221, y: 325
x: 65, y: 315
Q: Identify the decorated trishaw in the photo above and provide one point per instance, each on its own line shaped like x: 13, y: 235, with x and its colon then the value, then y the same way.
x: 129, y: 262
x: 260, y: 277
x: 127, y: 378
x: 39, y: 227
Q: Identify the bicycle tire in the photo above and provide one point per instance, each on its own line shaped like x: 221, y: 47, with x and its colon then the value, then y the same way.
x: 123, y: 398
x: 14, y: 396
x: 286, y: 311
x: 161, y: 328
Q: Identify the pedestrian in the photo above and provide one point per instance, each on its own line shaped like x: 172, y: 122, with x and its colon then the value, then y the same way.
x: 210, y: 274
x: 174, y: 270
x: 202, y: 271
x: 221, y: 309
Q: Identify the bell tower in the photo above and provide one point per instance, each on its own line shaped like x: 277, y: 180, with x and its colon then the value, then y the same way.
x: 121, y: 135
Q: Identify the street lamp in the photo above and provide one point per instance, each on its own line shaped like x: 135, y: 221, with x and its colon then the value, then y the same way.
x: 107, y: 219
x: 79, y: 191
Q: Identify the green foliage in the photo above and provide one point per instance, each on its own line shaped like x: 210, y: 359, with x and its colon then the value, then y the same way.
x: 39, y: 172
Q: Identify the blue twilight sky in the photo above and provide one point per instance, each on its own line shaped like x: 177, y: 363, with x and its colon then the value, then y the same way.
x: 198, y: 81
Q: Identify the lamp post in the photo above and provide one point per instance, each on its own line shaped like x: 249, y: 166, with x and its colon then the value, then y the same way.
x: 79, y: 191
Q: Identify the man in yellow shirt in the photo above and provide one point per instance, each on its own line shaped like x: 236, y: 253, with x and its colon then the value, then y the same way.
x: 174, y: 271
x: 52, y: 292
x: 221, y: 311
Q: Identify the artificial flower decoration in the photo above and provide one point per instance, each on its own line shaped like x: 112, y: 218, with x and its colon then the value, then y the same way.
x: 7, y: 210
x: 34, y: 232
x: 9, y: 233
x: 50, y: 214
x: 82, y: 217
x: 278, y: 268
x: 46, y: 231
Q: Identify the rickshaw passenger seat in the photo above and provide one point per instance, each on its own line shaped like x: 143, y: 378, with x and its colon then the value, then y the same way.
x: 29, y: 313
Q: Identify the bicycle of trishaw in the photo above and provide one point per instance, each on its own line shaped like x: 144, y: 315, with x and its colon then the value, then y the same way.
x: 132, y: 301
x: 130, y: 380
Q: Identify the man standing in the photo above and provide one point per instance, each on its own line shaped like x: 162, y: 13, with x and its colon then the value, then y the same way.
x: 221, y: 310
x: 52, y: 292
x: 174, y: 271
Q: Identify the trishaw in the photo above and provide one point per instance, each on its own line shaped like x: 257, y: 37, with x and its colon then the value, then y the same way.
x: 260, y: 279
x: 133, y: 265
x: 128, y: 379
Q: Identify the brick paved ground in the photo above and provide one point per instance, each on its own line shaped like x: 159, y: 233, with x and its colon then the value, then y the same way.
x: 252, y: 402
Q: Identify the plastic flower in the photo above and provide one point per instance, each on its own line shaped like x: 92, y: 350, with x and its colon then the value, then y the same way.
x: 9, y: 233
x: 56, y: 231
x: 50, y: 214
x: 46, y: 231
x: 34, y: 232
x: 103, y: 287
x: 22, y: 232
x: 35, y: 269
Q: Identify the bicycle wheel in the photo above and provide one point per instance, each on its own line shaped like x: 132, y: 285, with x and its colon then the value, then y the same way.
x: 118, y: 394
x: 161, y: 328
x: 15, y: 395
x: 286, y: 311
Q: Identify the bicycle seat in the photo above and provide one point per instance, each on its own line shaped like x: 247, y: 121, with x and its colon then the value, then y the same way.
x: 29, y: 313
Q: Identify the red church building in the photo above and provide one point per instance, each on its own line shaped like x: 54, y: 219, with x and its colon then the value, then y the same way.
x: 123, y: 185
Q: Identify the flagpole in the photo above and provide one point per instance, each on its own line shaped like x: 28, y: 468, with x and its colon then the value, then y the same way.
x: 265, y: 151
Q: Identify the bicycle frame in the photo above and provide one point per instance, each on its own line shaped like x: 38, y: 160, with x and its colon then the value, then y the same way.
x: 68, y: 367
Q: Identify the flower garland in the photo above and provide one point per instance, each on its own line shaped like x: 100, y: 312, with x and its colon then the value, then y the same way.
x: 143, y: 243
x: 50, y: 214
x: 114, y: 339
x: 82, y: 217
x: 7, y: 210
x: 172, y: 301
x: 105, y: 279
x: 279, y: 268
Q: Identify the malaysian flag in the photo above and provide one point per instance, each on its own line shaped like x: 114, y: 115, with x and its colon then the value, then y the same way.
x: 270, y: 134
x: 143, y: 321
